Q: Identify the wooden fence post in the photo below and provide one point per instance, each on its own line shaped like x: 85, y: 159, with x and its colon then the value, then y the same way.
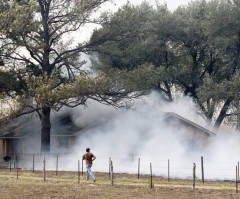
x: 57, y: 166
x: 44, y: 168
x: 33, y: 163
x: 16, y: 165
x: 78, y: 171
x: 151, y: 176
x: 236, y: 179
x: 202, y: 168
x: 82, y: 167
x: 109, y: 168
x: 168, y: 170
x: 238, y: 171
x: 138, y: 168
x: 112, y: 177
x: 194, y: 175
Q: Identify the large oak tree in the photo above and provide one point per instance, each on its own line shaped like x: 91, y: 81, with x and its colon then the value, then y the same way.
x: 195, y: 48
x: 41, y: 48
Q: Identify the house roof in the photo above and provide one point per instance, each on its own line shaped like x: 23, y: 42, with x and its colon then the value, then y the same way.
x: 13, y: 130
x: 63, y: 126
x: 19, y: 128
x: 188, y: 122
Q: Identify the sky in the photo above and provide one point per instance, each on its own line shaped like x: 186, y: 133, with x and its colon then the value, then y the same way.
x: 172, y: 4
x: 116, y: 4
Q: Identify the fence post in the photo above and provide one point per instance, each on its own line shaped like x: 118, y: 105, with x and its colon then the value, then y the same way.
x: 44, y: 167
x: 151, y: 177
x: 57, y: 166
x: 16, y: 164
x: 202, y: 168
x: 112, y: 173
x: 194, y: 175
x: 33, y: 162
x: 109, y: 168
x: 138, y: 168
x: 168, y: 170
x: 82, y: 167
x: 78, y: 171
x: 238, y: 171
x: 236, y: 179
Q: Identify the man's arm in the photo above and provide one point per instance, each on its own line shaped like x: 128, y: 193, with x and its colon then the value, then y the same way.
x: 93, y: 157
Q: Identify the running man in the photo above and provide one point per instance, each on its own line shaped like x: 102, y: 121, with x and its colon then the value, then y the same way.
x: 89, y: 158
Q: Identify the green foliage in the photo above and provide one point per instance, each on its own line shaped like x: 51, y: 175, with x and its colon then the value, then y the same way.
x: 50, y: 67
x: 195, y: 48
x: 143, y: 40
x: 13, y: 25
x: 127, y: 48
x: 37, y: 49
x: 9, y: 82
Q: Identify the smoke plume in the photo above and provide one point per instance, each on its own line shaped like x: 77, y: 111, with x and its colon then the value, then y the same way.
x: 140, y: 136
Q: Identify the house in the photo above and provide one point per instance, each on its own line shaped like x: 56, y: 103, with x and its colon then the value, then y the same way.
x: 21, y: 137
x: 197, y: 136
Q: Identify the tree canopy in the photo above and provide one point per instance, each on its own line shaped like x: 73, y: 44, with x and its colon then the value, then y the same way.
x: 41, y: 52
x: 194, y: 48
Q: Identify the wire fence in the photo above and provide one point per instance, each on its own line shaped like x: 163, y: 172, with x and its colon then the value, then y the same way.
x: 198, y: 170
x: 170, y: 168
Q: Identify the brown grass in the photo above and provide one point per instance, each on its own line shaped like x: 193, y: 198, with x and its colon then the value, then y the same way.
x: 65, y: 185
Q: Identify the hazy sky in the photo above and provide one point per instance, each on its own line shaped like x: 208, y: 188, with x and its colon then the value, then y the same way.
x: 172, y: 4
x: 115, y: 4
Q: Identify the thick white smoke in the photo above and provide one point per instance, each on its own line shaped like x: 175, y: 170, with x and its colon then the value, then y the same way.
x: 141, y: 134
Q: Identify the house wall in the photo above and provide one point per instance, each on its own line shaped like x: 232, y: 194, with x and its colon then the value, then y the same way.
x: 3, y: 151
x: 195, y: 138
x: 11, y: 146
x: 3, y: 147
x: 59, y: 144
x: 29, y: 144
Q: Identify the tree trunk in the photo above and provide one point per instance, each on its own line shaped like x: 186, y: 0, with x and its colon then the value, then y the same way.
x: 238, y: 117
x: 45, y: 130
x: 223, y: 113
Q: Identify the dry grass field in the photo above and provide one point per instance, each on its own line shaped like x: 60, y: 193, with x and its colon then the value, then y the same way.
x: 65, y: 185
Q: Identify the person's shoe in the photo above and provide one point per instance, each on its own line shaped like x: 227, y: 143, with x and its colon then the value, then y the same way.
x: 94, y: 180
